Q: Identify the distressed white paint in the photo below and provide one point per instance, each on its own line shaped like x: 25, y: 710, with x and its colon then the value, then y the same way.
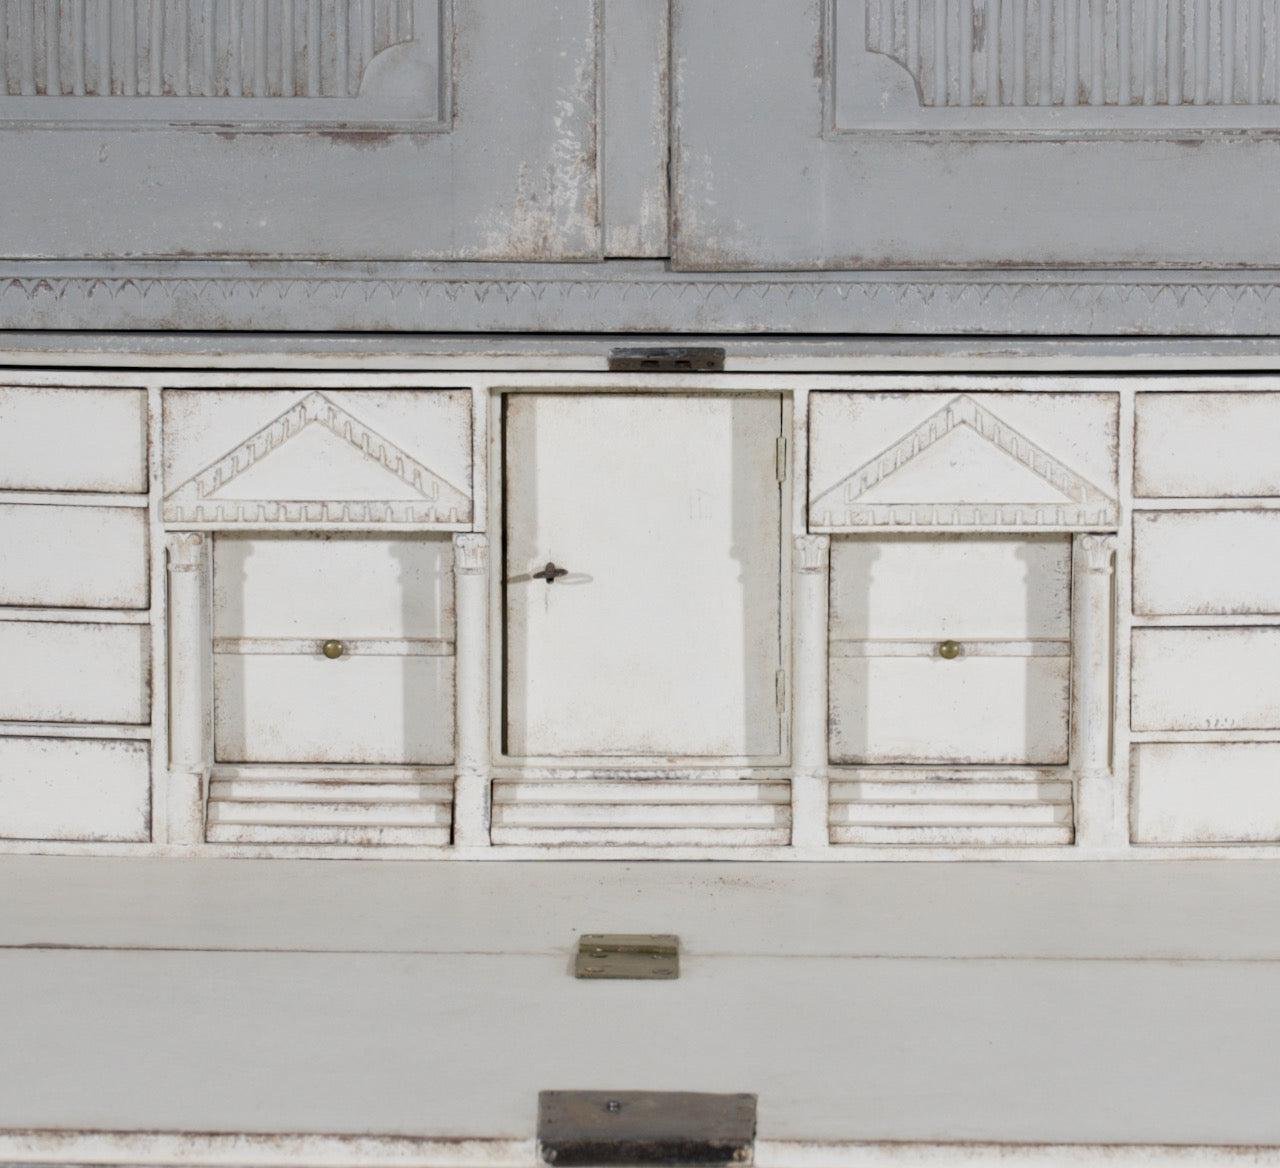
x: 63, y: 671
x: 74, y: 789
x: 1206, y: 679
x: 1201, y: 446
x: 100, y: 436
x: 1206, y: 563
x: 190, y: 686
x: 74, y: 557
x: 1204, y: 793
x: 1003, y: 699
x: 809, y: 784
x: 1070, y: 422
x: 471, y: 591
x: 664, y: 638
x: 388, y: 697
x: 1099, y: 805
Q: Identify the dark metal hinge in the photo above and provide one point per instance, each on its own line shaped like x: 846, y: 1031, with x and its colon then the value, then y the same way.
x: 672, y: 359
x: 661, y: 1129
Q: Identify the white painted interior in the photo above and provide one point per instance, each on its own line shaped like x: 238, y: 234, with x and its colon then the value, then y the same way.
x: 323, y: 473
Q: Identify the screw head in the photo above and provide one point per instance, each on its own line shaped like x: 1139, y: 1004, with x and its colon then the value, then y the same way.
x: 949, y: 650
x: 332, y: 649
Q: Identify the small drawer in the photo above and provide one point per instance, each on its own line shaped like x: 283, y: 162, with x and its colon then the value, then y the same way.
x: 73, y: 557
x: 1206, y: 563
x: 1206, y: 679
x: 75, y: 789
x: 318, y: 457
x: 1206, y: 792
x: 62, y: 672
x: 54, y: 439
x: 1206, y: 445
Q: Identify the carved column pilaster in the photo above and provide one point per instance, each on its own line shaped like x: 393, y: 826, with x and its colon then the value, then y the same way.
x: 809, y: 786
x: 189, y: 697
x: 471, y: 603
x: 1099, y: 814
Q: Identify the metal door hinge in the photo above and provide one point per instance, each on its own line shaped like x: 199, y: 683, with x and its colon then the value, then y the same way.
x: 672, y: 1129
x: 683, y: 359
x: 780, y: 460
x: 638, y: 956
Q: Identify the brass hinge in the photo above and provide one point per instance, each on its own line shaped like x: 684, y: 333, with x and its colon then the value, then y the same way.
x: 780, y: 459
x: 668, y: 359
x: 634, y: 956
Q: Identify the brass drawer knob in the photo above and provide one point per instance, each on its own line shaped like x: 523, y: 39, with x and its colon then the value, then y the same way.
x: 332, y: 649
x: 949, y: 650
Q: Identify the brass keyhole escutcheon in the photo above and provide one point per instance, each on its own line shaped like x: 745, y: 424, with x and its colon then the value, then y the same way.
x: 332, y: 649
x: 949, y: 650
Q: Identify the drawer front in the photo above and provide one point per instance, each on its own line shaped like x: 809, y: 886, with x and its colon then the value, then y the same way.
x: 378, y: 706
x: 62, y: 672
x: 915, y: 709
x: 74, y: 789
x: 1020, y: 461
x: 54, y: 439
x: 1206, y: 679
x: 1206, y: 445
x: 74, y: 557
x: 1206, y: 792
x: 265, y: 457
x: 1193, y: 563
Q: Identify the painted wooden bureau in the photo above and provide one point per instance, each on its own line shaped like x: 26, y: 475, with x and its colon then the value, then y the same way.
x: 765, y: 615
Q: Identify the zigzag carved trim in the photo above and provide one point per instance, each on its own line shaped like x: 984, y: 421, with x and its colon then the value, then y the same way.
x: 964, y: 411
x: 315, y: 407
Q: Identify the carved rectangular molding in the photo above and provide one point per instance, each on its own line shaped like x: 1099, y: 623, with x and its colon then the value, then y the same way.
x: 1091, y: 68
x: 269, y: 64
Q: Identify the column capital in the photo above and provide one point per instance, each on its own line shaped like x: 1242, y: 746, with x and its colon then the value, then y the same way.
x: 470, y: 554
x: 186, y: 550
x: 813, y: 553
x: 1097, y: 552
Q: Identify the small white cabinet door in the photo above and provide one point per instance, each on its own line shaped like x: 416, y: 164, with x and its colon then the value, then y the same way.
x: 386, y: 698
x: 663, y: 640
x: 1001, y: 696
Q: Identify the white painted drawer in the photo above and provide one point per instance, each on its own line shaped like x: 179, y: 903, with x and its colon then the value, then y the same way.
x: 54, y: 439
x: 1206, y: 562
x: 73, y: 557
x: 1202, y: 445
x: 64, y: 672
x: 1022, y: 461
x: 1206, y: 679
x: 260, y: 458
x: 1004, y: 599
x: 1206, y: 792
x: 74, y: 789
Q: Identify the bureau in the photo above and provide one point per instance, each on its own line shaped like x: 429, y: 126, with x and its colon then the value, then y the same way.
x: 465, y: 613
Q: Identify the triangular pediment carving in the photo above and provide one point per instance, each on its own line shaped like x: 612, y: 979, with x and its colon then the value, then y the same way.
x: 1031, y: 489
x: 276, y: 475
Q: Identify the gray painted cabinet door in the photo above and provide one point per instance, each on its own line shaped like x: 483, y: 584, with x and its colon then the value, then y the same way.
x: 346, y: 129
x: 900, y: 133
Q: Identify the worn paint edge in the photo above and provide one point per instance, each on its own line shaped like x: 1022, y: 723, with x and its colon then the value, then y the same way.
x: 230, y: 1150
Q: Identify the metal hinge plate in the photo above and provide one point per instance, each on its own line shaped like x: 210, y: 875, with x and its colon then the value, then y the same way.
x: 674, y: 1129
x: 681, y: 359
x: 637, y: 956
